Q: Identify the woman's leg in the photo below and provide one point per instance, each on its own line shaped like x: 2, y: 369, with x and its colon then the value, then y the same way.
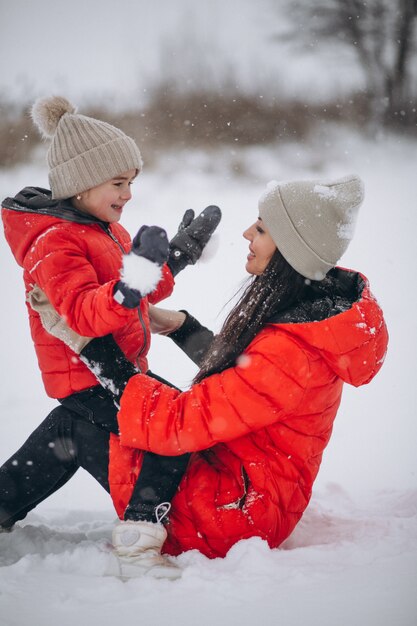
x: 48, y: 459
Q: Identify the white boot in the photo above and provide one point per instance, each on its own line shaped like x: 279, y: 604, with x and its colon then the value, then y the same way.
x: 137, y: 546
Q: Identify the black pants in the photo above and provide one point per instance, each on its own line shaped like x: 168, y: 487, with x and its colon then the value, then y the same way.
x: 48, y: 459
x: 75, y: 435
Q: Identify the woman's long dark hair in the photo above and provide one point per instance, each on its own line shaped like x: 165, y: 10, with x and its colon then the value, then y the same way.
x: 276, y: 289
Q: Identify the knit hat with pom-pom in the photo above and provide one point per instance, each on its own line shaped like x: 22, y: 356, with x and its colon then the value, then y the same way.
x: 84, y: 152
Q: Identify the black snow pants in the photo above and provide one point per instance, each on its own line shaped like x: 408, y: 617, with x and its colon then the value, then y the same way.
x: 75, y: 435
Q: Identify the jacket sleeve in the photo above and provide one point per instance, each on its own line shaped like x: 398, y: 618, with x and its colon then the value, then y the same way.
x: 59, y: 264
x: 164, y: 288
x: 263, y: 388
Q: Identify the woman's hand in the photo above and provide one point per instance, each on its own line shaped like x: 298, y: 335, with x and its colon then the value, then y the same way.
x: 165, y: 321
x: 194, y: 233
x: 53, y: 323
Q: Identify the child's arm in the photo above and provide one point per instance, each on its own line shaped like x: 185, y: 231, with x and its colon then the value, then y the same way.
x: 58, y: 262
x: 142, y: 268
x: 101, y: 355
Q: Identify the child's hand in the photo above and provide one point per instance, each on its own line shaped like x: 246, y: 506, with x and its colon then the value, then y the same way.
x: 151, y: 242
x: 141, y: 270
x: 186, y: 247
x: 53, y: 323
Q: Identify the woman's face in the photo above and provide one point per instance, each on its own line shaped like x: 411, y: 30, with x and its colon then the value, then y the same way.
x: 261, y: 248
x: 106, y: 201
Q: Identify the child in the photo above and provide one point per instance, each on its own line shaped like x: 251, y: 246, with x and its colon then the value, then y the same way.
x: 69, y: 243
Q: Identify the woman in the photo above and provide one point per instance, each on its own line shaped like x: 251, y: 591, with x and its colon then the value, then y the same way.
x: 261, y: 409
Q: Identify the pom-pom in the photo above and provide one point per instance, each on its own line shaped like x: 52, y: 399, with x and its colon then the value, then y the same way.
x: 46, y: 113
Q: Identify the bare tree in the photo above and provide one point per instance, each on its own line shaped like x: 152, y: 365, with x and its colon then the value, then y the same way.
x: 381, y: 32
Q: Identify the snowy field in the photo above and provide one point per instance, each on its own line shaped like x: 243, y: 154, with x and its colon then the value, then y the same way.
x: 352, y: 560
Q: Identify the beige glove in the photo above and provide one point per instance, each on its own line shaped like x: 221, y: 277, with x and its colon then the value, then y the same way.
x: 53, y: 323
x: 165, y: 321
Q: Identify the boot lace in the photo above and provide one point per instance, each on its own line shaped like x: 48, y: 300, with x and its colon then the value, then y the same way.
x: 161, y: 511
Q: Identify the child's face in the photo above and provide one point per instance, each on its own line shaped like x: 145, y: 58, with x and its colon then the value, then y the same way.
x: 106, y: 201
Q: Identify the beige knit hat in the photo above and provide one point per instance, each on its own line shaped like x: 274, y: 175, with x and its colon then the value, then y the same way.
x: 84, y: 152
x: 311, y: 221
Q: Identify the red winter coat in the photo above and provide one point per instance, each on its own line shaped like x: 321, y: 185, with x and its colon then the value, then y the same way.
x: 76, y: 260
x: 257, y: 430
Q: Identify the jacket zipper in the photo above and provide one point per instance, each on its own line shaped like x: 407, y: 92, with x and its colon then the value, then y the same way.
x: 141, y: 320
x: 240, y: 502
x: 145, y: 340
x: 110, y: 234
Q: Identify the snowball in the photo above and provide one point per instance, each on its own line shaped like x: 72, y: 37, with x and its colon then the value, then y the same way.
x: 140, y: 273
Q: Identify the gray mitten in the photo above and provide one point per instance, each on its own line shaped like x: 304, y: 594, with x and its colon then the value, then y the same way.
x: 142, y: 268
x: 194, y: 233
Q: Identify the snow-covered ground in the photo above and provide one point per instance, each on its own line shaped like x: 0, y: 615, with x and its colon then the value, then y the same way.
x: 353, y: 558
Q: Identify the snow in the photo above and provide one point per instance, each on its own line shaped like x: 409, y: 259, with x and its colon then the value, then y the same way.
x: 352, y: 560
x: 94, y: 367
x: 324, y: 192
x: 346, y: 230
x: 140, y: 273
x: 271, y: 188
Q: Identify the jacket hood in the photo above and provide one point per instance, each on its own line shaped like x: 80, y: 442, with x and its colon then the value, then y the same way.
x: 39, y: 201
x: 32, y: 211
x: 344, y: 322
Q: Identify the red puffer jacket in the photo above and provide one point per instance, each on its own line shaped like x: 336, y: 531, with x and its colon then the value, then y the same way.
x: 76, y: 260
x: 257, y: 430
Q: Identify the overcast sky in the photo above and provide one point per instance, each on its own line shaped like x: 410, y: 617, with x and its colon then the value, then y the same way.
x: 85, y: 49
